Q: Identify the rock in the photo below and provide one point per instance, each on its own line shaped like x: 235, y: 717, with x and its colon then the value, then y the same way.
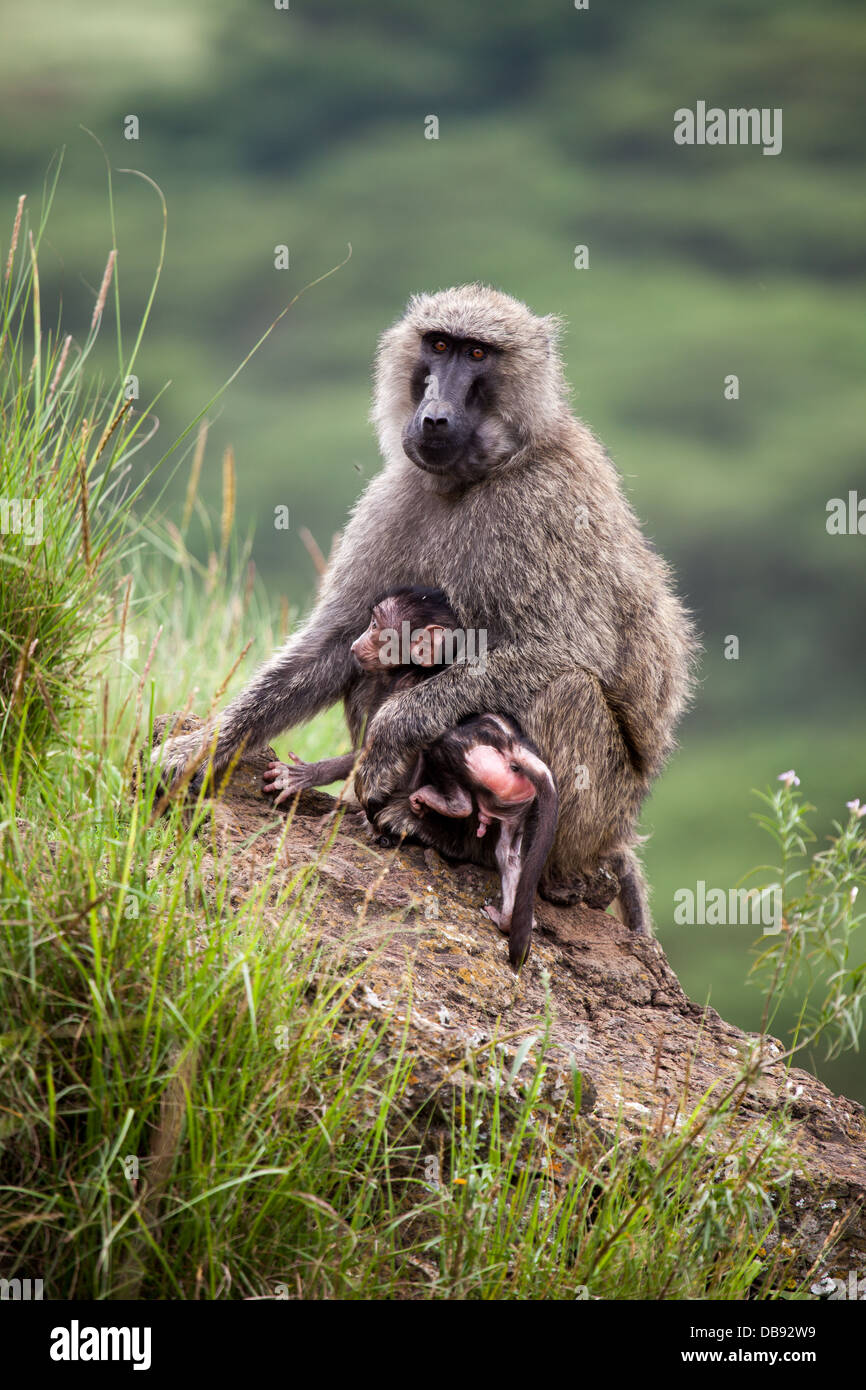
x: 646, y: 1052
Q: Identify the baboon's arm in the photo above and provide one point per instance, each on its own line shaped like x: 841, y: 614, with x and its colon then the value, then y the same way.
x: 309, y: 674
x: 413, y: 719
x: 315, y: 667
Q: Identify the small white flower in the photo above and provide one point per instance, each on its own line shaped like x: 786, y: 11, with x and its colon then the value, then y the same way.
x: 857, y: 809
x: 789, y: 778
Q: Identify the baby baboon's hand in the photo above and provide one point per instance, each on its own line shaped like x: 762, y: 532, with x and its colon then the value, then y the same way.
x: 283, y: 781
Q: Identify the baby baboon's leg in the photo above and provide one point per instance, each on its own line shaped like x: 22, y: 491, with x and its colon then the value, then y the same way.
x: 509, y: 863
x: 284, y: 780
x: 453, y: 800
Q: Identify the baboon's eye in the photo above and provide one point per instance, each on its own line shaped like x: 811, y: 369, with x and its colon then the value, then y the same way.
x: 477, y: 354
x: 440, y: 345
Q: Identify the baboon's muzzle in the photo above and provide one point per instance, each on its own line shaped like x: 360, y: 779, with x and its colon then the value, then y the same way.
x: 439, y: 432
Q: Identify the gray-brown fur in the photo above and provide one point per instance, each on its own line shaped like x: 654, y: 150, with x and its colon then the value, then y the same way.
x: 590, y: 650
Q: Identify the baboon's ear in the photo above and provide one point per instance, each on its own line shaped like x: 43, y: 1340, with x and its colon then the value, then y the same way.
x: 426, y: 646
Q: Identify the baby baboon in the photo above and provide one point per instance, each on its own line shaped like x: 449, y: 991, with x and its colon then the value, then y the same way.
x: 483, y: 773
x: 487, y: 772
x: 402, y: 644
x: 495, y: 493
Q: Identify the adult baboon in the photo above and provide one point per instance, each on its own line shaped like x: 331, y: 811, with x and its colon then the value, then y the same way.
x: 495, y: 493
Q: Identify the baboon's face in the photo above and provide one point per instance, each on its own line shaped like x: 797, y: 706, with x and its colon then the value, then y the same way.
x: 384, y: 646
x: 371, y: 649
x: 454, y: 430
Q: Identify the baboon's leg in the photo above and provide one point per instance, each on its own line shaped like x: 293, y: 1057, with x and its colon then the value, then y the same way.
x: 599, y: 790
x: 449, y: 801
x: 602, y: 887
x: 285, y: 780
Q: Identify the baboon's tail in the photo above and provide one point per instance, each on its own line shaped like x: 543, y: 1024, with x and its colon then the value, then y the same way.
x: 535, y: 853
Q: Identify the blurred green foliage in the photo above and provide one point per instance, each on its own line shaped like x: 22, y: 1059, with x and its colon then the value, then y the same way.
x: 306, y: 127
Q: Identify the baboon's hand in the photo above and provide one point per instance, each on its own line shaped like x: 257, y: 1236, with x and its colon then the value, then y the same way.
x: 283, y: 781
x: 172, y: 757
x: 383, y: 769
